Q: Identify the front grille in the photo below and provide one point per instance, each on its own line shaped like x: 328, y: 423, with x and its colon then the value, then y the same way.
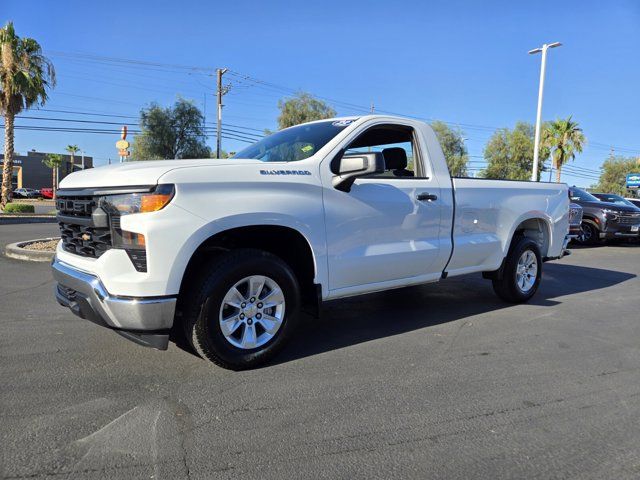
x: 79, y: 235
x: 629, y: 219
x: 84, y: 240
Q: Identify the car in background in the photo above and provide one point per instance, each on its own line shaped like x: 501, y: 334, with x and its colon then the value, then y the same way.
x: 575, y: 220
x: 604, y: 220
x: 26, y: 193
x: 46, y: 192
x: 613, y: 198
x: 635, y: 201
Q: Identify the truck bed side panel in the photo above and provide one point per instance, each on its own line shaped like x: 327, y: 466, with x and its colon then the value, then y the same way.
x: 489, y: 211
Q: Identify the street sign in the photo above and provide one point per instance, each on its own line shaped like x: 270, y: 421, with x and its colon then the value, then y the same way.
x: 124, y: 153
x: 122, y: 144
x: 633, y: 180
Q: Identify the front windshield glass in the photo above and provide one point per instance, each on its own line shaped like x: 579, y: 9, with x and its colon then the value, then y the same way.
x: 617, y: 199
x: 578, y: 195
x: 295, y: 143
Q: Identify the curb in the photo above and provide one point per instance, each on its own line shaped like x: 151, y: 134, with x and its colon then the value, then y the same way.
x: 6, y: 219
x: 16, y: 250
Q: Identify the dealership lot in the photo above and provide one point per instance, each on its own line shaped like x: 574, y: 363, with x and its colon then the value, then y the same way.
x: 438, y: 381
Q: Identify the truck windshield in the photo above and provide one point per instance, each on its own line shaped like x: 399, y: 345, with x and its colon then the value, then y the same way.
x: 295, y: 143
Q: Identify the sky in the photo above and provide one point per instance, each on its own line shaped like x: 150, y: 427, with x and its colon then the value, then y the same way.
x: 463, y: 62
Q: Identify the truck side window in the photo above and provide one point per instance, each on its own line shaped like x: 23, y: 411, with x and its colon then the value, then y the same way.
x: 396, y: 142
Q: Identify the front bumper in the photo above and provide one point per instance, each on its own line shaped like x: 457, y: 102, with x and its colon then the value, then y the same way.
x: 620, y: 231
x: 145, y: 320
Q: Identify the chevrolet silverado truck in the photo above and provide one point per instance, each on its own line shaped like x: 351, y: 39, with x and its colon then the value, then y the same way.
x: 226, y: 253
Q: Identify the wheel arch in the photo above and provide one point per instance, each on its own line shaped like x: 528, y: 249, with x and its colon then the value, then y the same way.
x: 536, y: 227
x: 286, y: 242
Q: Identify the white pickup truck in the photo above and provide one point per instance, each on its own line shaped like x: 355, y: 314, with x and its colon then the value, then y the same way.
x: 227, y: 252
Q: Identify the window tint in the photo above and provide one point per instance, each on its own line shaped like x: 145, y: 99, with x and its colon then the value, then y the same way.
x: 396, y: 144
x: 295, y: 143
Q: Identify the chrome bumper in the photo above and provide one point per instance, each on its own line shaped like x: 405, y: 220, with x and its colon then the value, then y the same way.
x: 143, y: 320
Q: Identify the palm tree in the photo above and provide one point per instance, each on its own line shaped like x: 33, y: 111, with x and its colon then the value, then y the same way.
x: 53, y: 161
x: 564, y: 138
x: 25, y: 77
x: 72, y: 149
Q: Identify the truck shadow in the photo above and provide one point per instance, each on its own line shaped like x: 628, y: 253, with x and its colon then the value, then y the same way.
x: 361, y: 319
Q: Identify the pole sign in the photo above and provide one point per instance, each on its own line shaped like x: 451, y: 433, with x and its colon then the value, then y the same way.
x: 633, y: 180
x: 123, y: 145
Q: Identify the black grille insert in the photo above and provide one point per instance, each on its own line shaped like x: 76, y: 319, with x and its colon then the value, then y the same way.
x: 79, y: 235
x: 83, y: 240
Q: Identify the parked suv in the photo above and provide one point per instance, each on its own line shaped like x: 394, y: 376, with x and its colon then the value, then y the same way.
x: 605, y: 220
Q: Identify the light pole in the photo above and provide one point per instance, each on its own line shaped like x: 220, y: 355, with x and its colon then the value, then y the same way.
x: 536, y: 142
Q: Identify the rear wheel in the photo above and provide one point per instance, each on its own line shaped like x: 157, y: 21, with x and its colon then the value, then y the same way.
x: 522, y: 272
x: 243, y: 310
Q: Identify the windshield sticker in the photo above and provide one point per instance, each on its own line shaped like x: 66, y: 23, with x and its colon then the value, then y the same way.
x: 342, y: 123
x: 307, y: 148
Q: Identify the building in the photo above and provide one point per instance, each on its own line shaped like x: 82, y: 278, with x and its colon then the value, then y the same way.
x: 30, y: 172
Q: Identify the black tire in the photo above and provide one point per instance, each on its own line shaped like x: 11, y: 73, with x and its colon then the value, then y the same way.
x: 507, y: 287
x: 201, y: 307
x: 590, y: 234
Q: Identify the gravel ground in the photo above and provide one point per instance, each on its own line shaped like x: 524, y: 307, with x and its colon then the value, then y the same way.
x: 49, y: 246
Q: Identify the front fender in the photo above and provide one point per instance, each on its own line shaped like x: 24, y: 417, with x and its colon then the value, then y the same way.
x: 220, y: 225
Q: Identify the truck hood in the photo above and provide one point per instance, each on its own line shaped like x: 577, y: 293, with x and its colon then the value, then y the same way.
x: 137, y: 173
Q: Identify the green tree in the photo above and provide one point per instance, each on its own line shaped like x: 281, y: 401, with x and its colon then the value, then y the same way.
x: 171, y: 133
x: 72, y: 149
x: 509, y: 153
x: 25, y: 77
x: 613, y: 178
x: 302, y: 108
x: 564, y: 138
x: 455, y: 151
x: 53, y: 161
x: 223, y: 154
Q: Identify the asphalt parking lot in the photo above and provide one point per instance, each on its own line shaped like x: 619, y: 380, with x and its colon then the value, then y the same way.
x: 438, y: 381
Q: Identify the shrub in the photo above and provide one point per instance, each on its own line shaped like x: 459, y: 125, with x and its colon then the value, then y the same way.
x: 19, y: 208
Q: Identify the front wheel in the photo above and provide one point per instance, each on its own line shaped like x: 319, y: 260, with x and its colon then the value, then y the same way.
x: 590, y: 234
x: 522, y: 272
x: 244, y: 309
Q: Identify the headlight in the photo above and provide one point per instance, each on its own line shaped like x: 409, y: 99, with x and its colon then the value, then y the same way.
x: 611, y: 214
x: 129, y: 203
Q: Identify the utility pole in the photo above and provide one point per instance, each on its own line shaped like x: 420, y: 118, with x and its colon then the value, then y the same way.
x: 82, y: 159
x: 221, y: 92
x: 536, y: 142
x: 373, y: 108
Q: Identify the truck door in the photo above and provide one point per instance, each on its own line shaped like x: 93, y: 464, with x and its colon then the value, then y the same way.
x: 386, y: 230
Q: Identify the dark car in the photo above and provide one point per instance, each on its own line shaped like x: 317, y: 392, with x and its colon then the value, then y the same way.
x: 605, y: 220
x: 575, y: 220
x: 635, y: 201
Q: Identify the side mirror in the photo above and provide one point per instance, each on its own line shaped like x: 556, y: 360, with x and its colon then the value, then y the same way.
x: 350, y: 167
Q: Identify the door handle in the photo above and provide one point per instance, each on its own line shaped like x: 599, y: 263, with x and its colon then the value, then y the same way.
x: 429, y: 197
